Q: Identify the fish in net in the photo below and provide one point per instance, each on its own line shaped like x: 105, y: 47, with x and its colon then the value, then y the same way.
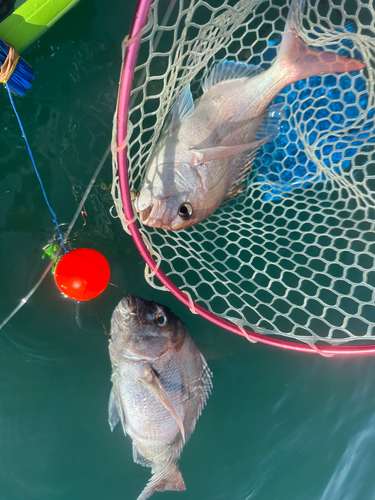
x: 291, y: 255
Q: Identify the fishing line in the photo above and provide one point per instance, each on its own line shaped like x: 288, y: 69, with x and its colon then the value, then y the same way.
x: 123, y: 291
x: 103, y: 325
x: 87, y: 192
x: 54, y: 218
x: 63, y: 239
x: 26, y: 298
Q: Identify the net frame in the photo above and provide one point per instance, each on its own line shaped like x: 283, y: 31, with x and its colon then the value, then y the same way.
x: 119, y: 149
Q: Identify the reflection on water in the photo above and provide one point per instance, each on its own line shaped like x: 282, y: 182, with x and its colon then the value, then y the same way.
x: 348, y: 482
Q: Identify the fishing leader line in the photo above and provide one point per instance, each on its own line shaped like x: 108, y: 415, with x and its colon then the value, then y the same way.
x: 54, y: 217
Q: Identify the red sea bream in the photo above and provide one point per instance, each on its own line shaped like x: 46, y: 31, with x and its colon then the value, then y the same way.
x: 161, y: 383
x: 206, y: 147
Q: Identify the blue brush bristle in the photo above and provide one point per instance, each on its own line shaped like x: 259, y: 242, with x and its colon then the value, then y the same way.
x: 22, y: 78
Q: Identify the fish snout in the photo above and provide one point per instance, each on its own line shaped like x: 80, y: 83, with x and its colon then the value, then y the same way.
x: 137, y: 307
x: 132, y: 303
x: 156, y: 214
x: 144, y: 214
x: 127, y: 306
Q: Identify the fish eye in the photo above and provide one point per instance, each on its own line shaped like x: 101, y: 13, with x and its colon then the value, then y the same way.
x: 161, y: 320
x: 185, y: 211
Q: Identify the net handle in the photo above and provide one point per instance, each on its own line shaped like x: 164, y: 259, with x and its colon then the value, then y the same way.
x: 126, y: 81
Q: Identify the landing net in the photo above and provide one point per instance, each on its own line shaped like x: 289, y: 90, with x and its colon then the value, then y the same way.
x: 292, y: 256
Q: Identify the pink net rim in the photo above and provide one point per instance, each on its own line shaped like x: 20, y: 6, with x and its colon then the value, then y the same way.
x: 126, y: 80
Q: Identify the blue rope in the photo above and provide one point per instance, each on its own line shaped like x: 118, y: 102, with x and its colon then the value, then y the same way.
x: 54, y: 218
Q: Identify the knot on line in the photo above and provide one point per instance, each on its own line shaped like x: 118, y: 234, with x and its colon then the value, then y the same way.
x: 191, y: 302
x: 122, y: 145
x: 9, y: 64
x: 245, y: 333
x: 128, y: 41
x: 132, y: 220
x: 320, y: 351
x: 127, y: 222
x: 152, y: 272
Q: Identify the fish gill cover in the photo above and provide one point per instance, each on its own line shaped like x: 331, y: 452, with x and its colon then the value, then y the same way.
x: 293, y: 253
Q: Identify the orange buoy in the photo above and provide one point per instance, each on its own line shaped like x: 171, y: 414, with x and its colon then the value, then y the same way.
x: 82, y: 274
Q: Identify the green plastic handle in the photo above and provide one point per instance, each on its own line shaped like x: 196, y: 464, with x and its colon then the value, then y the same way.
x: 31, y: 20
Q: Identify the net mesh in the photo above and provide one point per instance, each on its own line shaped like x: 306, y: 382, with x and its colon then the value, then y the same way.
x: 293, y: 254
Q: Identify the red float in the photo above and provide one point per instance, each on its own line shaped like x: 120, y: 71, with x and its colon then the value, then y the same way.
x: 82, y: 274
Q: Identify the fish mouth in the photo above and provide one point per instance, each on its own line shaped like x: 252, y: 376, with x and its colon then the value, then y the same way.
x: 140, y: 309
x: 128, y: 305
x: 159, y: 214
x: 132, y: 303
x: 156, y: 214
x: 144, y: 214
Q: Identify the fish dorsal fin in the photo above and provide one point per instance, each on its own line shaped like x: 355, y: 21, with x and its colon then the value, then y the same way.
x: 182, y: 109
x: 151, y: 380
x: 204, y: 387
x: 205, y: 382
x: 230, y: 70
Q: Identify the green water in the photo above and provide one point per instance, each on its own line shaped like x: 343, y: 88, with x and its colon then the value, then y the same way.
x: 278, y: 426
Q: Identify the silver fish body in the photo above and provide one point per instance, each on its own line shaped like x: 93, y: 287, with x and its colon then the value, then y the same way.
x: 176, y: 174
x: 160, y: 384
x: 206, y: 147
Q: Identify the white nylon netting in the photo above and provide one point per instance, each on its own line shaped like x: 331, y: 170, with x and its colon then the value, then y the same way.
x: 293, y: 255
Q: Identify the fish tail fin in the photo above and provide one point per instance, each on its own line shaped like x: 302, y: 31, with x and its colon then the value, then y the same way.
x: 173, y: 481
x: 298, y: 61
x: 167, y: 479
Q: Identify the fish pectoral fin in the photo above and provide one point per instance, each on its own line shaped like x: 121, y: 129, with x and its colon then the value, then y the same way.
x: 115, y: 411
x: 139, y: 458
x: 151, y: 380
x: 201, y: 156
x: 182, y: 109
x: 270, y: 125
x: 241, y: 168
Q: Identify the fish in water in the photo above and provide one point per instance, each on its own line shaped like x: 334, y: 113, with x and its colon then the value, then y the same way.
x: 206, y: 148
x: 161, y: 383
